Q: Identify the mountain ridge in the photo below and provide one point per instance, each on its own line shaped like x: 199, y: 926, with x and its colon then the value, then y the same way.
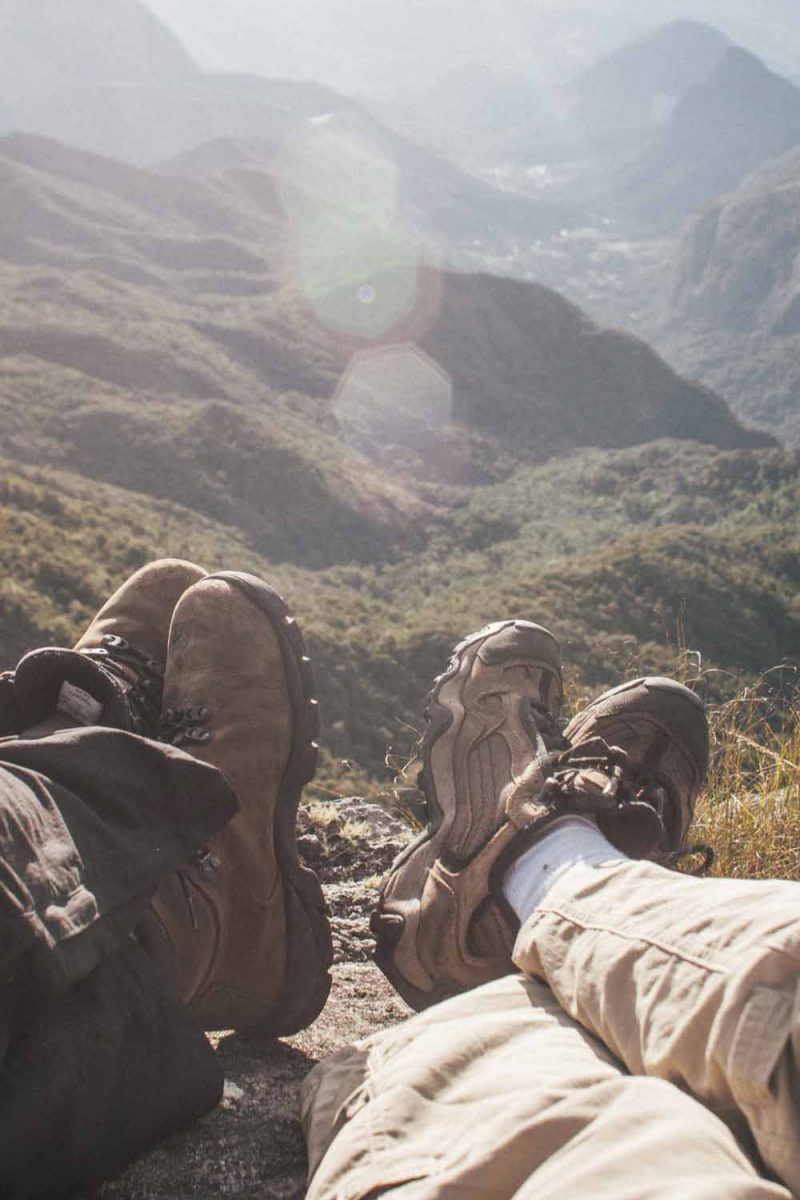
x: 155, y: 333
x: 720, y: 131
x: 734, y: 315
x: 439, y: 199
x: 640, y: 82
x: 103, y: 40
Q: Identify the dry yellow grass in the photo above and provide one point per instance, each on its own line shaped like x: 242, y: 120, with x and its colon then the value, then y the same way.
x: 326, y: 817
x: 750, y: 809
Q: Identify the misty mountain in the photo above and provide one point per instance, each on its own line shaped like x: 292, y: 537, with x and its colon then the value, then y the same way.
x: 735, y: 314
x: 351, y: 153
x: 161, y: 333
x: 642, y: 83
x: 110, y: 77
x: 539, y: 345
x: 737, y: 260
x: 477, y: 114
x: 146, y: 124
x: 47, y: 46
x: 361, y: 46
x: 720, y: 130
x: 222, y: 154
x: 769, y: 29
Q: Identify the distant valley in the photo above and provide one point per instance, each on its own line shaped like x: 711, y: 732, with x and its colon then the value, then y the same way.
x: 693, y: 233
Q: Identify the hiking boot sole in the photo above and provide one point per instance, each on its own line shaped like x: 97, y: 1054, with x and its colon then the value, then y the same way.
x: 309, y: 947
x: 540, y: 650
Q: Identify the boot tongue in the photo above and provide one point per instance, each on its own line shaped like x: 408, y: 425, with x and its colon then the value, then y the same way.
x: 56, y: 681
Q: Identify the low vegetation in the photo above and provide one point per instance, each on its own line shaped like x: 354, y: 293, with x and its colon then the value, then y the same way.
x: 750, y: 811
x: 711, y: 558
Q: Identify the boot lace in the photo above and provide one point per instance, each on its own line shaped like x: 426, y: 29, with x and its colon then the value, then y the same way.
x: 142, y: 679
x: 592, y: 761
x: 625, y: 786
x: 179, y: 725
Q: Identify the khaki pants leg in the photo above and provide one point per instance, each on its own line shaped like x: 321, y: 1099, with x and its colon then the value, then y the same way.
x: 692, y: 981
x: 498, y: 1094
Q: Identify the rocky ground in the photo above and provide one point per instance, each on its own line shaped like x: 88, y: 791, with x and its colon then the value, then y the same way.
x: 252, y: 1146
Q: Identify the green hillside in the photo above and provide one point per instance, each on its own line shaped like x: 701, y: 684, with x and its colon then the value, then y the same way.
x: 407, y: 453
x: 179, y: 337
x: 620, y: 553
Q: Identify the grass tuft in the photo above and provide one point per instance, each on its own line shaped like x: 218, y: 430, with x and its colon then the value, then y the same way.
x: 750, y: 809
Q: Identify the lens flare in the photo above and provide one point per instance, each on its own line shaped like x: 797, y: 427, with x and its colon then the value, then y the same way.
x: 397, y: 402
x: 357, y: 261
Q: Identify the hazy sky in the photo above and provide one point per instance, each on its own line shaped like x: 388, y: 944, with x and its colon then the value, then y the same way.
x: 377, y: 43
x: 341, y: 41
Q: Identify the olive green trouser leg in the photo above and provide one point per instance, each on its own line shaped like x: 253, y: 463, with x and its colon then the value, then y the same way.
x: 497, y: 1094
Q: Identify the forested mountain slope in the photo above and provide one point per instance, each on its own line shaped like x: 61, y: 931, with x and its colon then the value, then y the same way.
x: 407, y: 452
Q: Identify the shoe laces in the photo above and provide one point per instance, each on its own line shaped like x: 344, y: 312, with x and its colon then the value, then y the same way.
x: 142, y: 679
x: 577, y: 783
x: 177, y: 726
x: 646, y: 788
x: 592, y: 771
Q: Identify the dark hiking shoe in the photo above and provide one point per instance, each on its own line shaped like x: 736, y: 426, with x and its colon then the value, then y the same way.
x: 62, y: 689
x: 114, y: 675
x: 246, y: 920
x: 663, y: 730
x: 491, y: 722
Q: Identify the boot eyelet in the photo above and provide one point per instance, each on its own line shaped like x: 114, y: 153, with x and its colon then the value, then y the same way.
x: 115, y: 642
x: 207, y: 866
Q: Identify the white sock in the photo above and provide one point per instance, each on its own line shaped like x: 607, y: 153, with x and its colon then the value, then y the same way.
x: 570, y: 842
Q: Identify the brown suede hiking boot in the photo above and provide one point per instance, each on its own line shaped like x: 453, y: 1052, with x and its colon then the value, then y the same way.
x: 490, y: 719
x: 114, y: 674
x: 662, y: 728
x: 140, y: 611
x: 246, y: 921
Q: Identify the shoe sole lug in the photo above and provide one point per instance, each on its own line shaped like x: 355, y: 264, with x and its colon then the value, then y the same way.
x: 307, y: 983
x: 439, y: 719
x: 387, y: 927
